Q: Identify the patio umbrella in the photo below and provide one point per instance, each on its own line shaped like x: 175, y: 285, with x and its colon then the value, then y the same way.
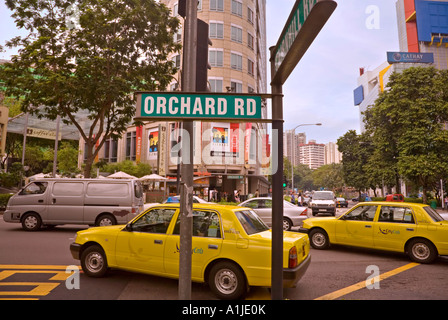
x: 153, y: 177
x: 121, y: 175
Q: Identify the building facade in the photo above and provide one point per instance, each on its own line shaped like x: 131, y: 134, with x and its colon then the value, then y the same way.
x: 423, y: 39
x: 312, y: 154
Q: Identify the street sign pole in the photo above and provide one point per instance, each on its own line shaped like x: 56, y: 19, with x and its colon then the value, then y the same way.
x: 304, y: 23
x: 186, y: 196
x: 277, y: 191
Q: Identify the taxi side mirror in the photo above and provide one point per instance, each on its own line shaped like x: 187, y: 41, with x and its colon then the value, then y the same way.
x: 128, y: 227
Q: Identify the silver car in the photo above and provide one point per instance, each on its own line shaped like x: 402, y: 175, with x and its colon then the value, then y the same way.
x: 292, y: 215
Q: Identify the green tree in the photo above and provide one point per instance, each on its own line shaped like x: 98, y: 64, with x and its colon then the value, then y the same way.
x: 89, y: 56
x: 329, y: 176
x: 355, y: 155
x: 407, y: 125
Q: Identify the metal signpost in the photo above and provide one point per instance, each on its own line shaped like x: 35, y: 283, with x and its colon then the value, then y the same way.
x: 304, y: 23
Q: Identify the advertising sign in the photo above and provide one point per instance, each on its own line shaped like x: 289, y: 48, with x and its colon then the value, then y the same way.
x: 410, y: 57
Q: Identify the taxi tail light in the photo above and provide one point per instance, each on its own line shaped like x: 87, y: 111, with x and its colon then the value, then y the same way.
x: 292, y: 258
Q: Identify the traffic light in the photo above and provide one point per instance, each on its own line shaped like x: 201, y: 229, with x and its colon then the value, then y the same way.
x: 202, y: 65
x: 203, y: 41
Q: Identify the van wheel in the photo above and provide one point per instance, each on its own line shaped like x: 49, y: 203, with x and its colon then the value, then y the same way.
x: 31, y: 222
x: 105, y: 220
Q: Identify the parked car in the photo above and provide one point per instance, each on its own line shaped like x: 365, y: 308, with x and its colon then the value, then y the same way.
x: 412, y: 228
x: 323, y: 202
x: 231, y: 248
x: 292, y: 215
x: 341, y: 202
x: 395, y: 197
x: 51, y: 202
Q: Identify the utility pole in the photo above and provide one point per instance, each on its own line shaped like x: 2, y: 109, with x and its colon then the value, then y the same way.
x: 186, y: 196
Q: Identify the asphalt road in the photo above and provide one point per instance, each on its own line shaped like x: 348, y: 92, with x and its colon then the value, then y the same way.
x: 33, y: 266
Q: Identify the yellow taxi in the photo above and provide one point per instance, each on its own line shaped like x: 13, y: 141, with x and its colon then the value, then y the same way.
x: 231, y: 248
x: 415, y: 229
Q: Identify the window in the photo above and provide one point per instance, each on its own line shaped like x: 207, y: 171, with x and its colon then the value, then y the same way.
x: 68, y: 188
x: 154, y: 221
x: 130, y: 145
x: 236, y: 34
x: 176, y: 61
x: 251, y: 222
x: 250, y: 41
x: 110, y: 150
x: 215, y: 85
x: 435, y: 216
x: 237, y: 8
x: 217, y: 5
x: 34, y: 188
x: 205, y: 224
x: 98, y: 189
x: 250, y: 15
x: 236, y: 61
x: 250, y: 67
x: 215, y: 58
x: 236, y: 87
x: 362, y: 213
x: 396, y: 214
x: 216, y: 30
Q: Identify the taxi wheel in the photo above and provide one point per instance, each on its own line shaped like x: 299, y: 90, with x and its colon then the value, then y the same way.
x: 421, y: 251
x: 94, y: 262
x: 227, y: 281
x: 319, y: 239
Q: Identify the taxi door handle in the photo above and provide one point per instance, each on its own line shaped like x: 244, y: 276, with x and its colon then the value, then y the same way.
x: 409, y: 229
x: 212, y: 246
x: 368, y: 226
x: 158, y: 241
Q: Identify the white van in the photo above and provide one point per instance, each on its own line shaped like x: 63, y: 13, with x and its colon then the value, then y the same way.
x: 51, y: 202
x: 323, y: 202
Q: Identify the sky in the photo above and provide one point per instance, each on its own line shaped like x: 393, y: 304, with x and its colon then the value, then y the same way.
x: 320, y: 89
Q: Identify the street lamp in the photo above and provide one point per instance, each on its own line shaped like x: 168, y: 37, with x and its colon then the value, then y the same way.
x: 293, y: 134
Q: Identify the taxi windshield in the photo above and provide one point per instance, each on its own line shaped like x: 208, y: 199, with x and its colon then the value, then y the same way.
x: 251, y: 222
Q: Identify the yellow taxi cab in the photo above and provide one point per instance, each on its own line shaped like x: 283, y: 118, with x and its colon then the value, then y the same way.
x: 415, y: 229
x: 231, y: 248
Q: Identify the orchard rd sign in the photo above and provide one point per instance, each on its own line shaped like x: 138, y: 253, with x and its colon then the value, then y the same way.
x: 198, y: 106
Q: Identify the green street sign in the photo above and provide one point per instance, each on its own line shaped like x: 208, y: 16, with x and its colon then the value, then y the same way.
x: 305, y: 21
x: 198, y: 106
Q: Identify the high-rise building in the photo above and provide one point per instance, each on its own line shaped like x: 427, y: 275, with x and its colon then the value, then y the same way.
x: 332, y: 154
x: 312, y: 154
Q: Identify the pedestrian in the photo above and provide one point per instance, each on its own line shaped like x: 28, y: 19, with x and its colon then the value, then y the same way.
x: 293, y: 199
x: 257, y: 194
x: 299, y: 200
x: 446, y: 202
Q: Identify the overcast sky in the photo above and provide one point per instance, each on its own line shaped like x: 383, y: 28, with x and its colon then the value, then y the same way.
x: 320, y: 89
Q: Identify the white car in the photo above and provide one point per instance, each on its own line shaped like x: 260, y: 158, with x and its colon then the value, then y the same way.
x: 444, y: 215
x: 292, y: 215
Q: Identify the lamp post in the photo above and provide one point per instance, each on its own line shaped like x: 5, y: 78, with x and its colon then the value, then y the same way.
x: 293, y: 134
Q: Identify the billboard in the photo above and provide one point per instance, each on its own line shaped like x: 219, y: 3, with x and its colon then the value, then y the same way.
x: 410, y: 57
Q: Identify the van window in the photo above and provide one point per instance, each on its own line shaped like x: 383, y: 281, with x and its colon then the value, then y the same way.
x: 68, y: 188
x: 34, y: 188
x: 108, y: 189
x: 323, y: 196
x: 138, y: 191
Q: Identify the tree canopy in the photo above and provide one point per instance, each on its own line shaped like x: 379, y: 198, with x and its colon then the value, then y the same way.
x: 89, y: 55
